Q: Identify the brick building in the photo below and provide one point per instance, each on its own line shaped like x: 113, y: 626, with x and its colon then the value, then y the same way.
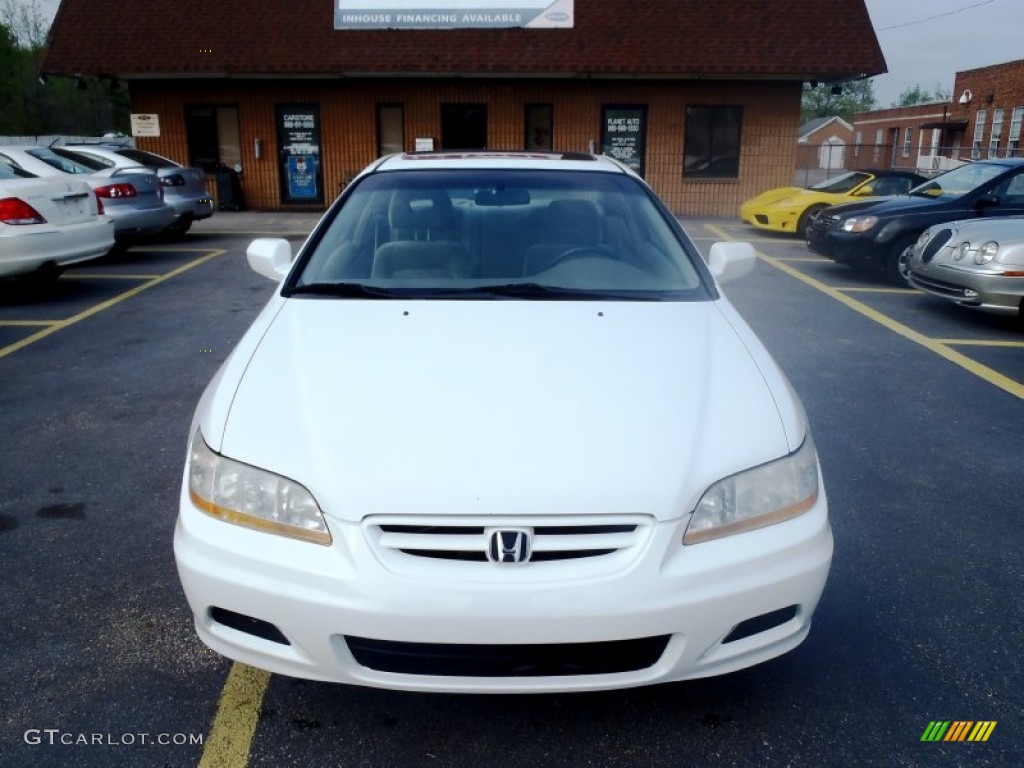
x: 703, y: 98
x: 983, y: 119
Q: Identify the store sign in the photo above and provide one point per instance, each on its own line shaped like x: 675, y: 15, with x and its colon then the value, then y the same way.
x: 298, y: 131
x: 623, y: 135
x: 452, y: 14
x: 145, y: 124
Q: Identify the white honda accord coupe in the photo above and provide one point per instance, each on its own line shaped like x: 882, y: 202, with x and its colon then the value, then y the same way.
x: 498, y: 430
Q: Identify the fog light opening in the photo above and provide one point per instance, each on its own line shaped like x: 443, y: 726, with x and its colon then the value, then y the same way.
x: 761, y: 623
x: 251, y: 626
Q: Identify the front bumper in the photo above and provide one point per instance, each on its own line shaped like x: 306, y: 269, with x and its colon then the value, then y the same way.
x: 843, y: 247
x: 987, y: 292
x: 329, y: 603
x: 771, y: 220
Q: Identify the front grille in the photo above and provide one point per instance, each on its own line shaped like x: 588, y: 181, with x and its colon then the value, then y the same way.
x: 936, y: 244
x: 549, y: 660
x: 561, y: 538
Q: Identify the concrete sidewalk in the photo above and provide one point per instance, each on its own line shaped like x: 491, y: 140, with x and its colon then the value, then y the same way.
x: 258, y: 223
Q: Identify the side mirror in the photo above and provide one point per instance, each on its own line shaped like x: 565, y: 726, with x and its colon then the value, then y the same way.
x: 866, y: 191
x: 270, y: 257
x: 987, y: 201
x: 730, y: 261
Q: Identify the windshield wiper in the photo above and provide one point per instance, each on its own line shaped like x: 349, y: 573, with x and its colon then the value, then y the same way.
x: 500, y: 291
x: 540, y: 291
x: 347, y: 291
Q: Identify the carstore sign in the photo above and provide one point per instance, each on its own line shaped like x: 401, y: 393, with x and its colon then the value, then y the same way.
x: 452, y: 14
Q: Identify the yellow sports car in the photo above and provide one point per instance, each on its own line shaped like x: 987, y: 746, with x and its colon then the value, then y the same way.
x: 788, y: 209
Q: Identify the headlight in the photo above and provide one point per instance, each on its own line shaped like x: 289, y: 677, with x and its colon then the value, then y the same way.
x: 764, y: 495
x: 244, y: 495
x: 859, y: 223
x: 961, y: 250
x: 987, y: 252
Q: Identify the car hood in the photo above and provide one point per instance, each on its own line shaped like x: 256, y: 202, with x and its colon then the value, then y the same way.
x: 889, y: 206
x: 459, y: 408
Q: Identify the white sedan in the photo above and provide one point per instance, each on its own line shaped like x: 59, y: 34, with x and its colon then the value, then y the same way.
x: 498, y: 430
x: 46, y: 224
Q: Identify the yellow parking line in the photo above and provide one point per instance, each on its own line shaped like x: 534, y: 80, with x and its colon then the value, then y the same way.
x: 238, y: 712
x: 982, y: 343
x: 100, y: 276
x: 811, y: 259
x: 904, y: 291
x: 1000, y: 380
x: 167, y: 249
x: 12, y: 348
x: 28, y: 323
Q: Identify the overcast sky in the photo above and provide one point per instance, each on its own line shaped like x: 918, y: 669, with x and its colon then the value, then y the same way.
x: 925, y: 42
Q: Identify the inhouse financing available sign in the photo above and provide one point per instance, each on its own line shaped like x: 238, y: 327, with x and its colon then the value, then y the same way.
x: 452, y: 14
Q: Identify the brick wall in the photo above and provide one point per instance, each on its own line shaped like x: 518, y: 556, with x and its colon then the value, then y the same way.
x: 989, y: 88
x: 349, y: 138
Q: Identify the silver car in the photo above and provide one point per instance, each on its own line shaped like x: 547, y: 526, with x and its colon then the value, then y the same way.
x: 184, y: 187
x: 132, y: 197
x: 977, y: 263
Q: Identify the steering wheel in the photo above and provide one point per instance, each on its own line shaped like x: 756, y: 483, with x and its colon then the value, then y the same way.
x: 570, y: 253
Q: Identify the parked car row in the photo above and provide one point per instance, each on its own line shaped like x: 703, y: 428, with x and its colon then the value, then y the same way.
x: 79, y: 198
x: 959, y: 235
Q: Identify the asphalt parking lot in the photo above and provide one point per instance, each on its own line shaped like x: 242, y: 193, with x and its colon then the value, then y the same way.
x: 918, y: 414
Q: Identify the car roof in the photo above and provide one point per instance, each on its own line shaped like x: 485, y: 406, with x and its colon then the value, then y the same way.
x: 495, y: 159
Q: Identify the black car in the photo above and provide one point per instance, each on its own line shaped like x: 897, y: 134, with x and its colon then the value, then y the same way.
x: 879, y: 232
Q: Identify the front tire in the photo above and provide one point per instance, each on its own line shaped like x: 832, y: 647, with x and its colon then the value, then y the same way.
x: 897, y: 261
x: 805, y: 219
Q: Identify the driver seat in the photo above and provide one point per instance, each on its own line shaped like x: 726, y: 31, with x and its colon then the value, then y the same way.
x: 565, y: 224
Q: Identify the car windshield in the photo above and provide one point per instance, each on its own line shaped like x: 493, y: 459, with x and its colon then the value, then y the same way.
x: 959, y: 181
x: 499, y: 234
x: 841, y: 184
x: 65, y: 164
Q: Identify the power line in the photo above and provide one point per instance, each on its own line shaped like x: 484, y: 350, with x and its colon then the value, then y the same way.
x: 936, y: 16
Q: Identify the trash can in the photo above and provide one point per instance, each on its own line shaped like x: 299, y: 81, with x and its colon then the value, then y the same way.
x: 229, y: 189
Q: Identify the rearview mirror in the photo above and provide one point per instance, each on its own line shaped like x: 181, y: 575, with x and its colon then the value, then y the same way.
x: 502, y: 196
x: 270, y: 257
x: 730, y: 261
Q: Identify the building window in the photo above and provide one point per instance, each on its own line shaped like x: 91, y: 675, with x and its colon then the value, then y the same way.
x: 908, y: 137
x: 979, y: 133
x: 878, y: 145
x: 390, y: 129
x: 212, y: 135
x: 996, y: 134
x: 538, y: 120
x: 463, y: 126
x: 856, y: 144
x: 1013, y: 143
x: 712, y: 143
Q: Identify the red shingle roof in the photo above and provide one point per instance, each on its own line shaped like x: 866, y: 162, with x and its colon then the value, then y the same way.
x: 637, y: 38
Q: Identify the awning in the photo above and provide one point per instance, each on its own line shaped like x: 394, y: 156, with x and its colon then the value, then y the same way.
x: 959, y: 124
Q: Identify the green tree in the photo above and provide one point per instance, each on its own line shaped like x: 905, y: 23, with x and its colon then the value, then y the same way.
x: 821, y: 99
x: 30, y: 106
x: 914, y: 94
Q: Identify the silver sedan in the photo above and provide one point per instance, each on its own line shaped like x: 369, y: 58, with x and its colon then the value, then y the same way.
x: 977, y: 263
